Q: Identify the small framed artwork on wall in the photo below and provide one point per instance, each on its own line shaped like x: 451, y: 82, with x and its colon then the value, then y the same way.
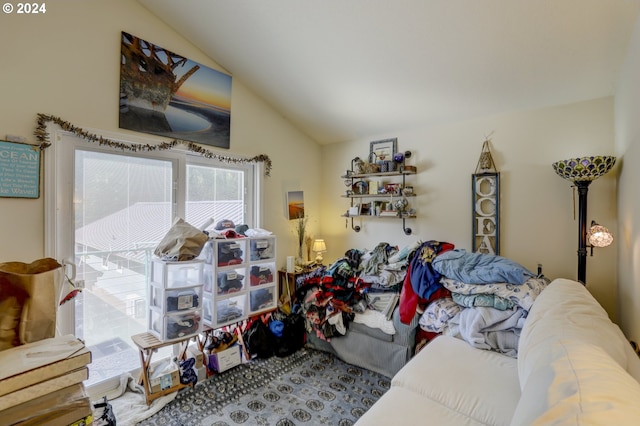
x: 383, y: 150
x: 295, y: 204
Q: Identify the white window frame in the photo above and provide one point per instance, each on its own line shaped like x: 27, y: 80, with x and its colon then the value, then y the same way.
x: 59, y: 174
x: 59, y: 166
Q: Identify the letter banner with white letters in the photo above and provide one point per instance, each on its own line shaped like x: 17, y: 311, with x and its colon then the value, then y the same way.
x: 486, y: 213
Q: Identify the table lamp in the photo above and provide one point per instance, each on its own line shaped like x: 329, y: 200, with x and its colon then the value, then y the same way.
x: 319, y: 247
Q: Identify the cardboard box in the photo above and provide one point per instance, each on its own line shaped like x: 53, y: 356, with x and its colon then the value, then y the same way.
x: 163, y: 375
x: 202, y: 374
x: 224, y: 360
x: 58, y: 408
x: 33, y: 363
x: 194, y: 352
x: 39, y: 389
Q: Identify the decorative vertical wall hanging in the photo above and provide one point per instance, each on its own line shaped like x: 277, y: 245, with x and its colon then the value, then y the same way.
x: 485, y: 184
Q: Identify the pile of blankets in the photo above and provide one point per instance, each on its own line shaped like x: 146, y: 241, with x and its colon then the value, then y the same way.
x: 480, y: 298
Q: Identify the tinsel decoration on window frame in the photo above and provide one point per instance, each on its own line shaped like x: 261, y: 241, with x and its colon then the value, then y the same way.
x: 42, y: 137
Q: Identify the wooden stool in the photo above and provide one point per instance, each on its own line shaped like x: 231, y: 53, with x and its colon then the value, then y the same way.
x: 147, y: 343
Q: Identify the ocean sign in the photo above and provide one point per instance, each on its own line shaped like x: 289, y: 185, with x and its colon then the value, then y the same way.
x: 19, y: 170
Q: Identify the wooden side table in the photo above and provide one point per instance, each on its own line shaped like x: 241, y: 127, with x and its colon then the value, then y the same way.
x: 287, y: 282
x: 287, y: 285
x: 147, y: 344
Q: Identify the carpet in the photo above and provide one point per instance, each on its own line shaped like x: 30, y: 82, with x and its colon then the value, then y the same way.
x: 308, y: 387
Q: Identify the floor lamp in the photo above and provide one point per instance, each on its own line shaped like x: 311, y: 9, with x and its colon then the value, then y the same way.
x: 582, y: 171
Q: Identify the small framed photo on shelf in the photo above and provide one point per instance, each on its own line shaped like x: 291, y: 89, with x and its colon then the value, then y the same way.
x: 392, y: 189
x: 383, y: 150
x: 360, y: 187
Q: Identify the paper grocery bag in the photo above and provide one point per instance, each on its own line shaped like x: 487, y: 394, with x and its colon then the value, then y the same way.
x: 183, y: 242
x: 42, y: 282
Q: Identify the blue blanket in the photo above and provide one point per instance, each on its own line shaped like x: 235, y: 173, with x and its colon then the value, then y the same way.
x: 480, y: 268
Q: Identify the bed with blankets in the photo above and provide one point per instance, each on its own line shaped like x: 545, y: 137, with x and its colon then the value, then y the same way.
x: 373, y: 307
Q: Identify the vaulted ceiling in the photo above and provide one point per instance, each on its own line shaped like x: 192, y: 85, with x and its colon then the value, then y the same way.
x: 346, y: 69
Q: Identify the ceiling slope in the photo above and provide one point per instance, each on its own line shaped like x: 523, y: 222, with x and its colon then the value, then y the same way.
x: 342, y: 70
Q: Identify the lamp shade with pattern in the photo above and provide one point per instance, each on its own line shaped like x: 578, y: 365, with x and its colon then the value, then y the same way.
x: 599, y: 236
x: 582, y: 171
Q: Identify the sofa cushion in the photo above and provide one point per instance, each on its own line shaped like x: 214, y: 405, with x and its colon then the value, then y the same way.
x: 399, y: 406
x: 476, y: 384
x: 566, y: 310
x: 579, y: 384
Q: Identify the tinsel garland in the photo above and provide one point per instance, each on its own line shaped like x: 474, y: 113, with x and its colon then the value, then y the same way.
x: 42, y: 137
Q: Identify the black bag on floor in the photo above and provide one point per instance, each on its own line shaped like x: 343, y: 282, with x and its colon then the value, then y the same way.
x: 290, y: 336
x: 107, y: 417
x: 259, y: 339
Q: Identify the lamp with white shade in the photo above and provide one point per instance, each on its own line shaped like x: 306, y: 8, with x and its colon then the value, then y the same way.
x: 319, y: 247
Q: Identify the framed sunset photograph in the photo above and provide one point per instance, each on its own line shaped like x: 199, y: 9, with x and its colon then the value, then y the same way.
x: 166, y: 94
x: 295, y: 204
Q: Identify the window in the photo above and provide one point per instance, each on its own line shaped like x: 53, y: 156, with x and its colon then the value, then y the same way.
x: 106, y: 212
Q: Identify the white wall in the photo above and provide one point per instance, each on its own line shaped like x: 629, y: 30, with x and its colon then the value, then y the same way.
x: 66, y: 63
x: 537, y: 219
x: 627, y: 141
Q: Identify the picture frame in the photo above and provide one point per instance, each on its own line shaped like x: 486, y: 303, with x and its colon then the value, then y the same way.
x: 295, y: 205
x: 360, y: 187
x: 182, y: 99
x: 383, y: 149
x: 393, y: 188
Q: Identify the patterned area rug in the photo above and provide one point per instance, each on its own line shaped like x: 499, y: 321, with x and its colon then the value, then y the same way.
x: 307, y: 388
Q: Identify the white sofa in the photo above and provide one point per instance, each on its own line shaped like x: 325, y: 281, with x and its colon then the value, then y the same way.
x: 574, y: 367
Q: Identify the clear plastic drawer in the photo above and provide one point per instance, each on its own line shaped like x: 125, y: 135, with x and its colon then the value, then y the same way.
x: 262, y: 248
x: 174, y: 326
x: 230, y: 280
x: 231, y: 252
x: 262, y: 299
x: 230, y: 310
x: 262, y: 273
x: 175, y: 300
x: 176, y: 274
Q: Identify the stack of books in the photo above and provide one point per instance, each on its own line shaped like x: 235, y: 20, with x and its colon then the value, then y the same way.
x: 41, y: 383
